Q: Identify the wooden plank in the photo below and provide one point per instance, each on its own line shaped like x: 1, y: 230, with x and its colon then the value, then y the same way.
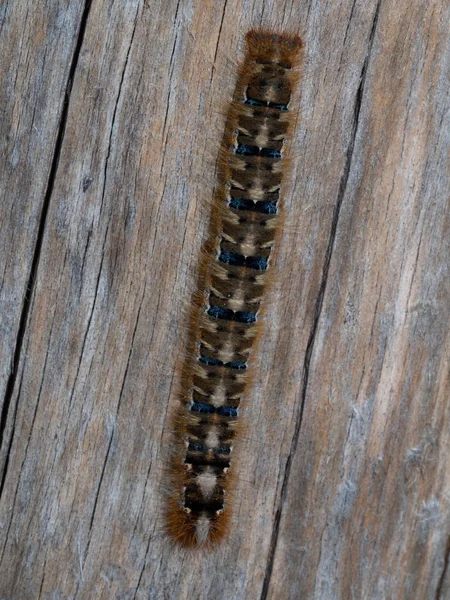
x: 37, y: 53
x: 342, y: 485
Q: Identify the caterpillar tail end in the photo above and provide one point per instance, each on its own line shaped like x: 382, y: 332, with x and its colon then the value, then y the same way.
x: 199, y: 530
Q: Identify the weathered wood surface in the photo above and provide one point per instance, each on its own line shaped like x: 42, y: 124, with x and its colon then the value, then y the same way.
x: 36, y: 63
x: 344, y: 491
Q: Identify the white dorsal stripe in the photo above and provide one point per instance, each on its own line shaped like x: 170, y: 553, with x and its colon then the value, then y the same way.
x: 237, y: 301
x: 262, y: 138
x: 248, y: 245
x: 219, y: 395
x: 206, y: 482
x: 212, y: 439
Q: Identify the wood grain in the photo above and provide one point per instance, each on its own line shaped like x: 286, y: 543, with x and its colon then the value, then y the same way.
x: 343, y: 488
x: 38, y: 52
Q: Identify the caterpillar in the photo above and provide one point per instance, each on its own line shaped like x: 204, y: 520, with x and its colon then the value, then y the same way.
x: 225, y: 325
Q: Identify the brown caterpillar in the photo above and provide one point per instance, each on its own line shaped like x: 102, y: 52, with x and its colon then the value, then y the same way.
x: 225, y: 322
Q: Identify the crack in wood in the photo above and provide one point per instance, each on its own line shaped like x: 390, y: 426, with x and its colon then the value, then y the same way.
x: 218, y: 40
x: 91, y: 523
x: 116, y: 104
x: 169, y: 92
x: 131, y: 350
x: 88, y: 326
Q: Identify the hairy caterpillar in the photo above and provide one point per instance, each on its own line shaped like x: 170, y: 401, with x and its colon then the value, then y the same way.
x: 225, y: 322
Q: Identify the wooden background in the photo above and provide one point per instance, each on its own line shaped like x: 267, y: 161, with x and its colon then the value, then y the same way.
x: 111, y: 117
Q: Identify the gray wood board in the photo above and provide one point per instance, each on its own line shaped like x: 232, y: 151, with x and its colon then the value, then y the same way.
x: 342, y: 487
